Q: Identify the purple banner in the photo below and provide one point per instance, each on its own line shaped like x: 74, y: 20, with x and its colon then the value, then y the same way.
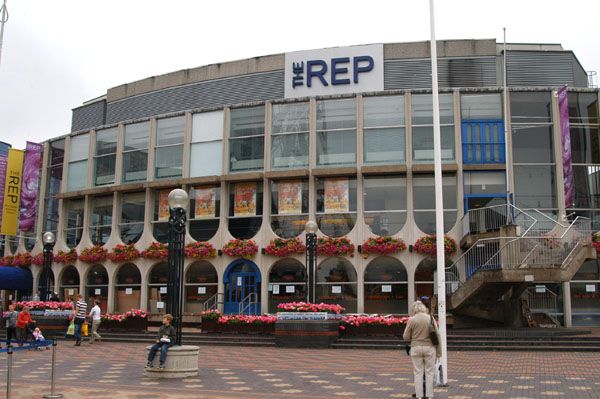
x: 565, y: 136
x: 3, y: 162
x: 29, y: 188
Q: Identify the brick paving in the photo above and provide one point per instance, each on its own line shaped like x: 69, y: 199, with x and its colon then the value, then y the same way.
x: 115, y: 371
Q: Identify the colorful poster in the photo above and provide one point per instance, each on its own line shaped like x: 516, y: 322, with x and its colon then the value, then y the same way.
x: 12, y: 192
x: 3, y: 163
x: 290, y: 197
x: 565, y: 135
x: 29, y: 188
x: 205, y: 202
x: 245, y: 199
x: 337, y: 195
x: 163, y: 205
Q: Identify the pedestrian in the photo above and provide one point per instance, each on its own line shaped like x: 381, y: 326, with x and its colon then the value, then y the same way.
x: 80, y: 313
x: 96, y: 320
x: 11, y: 323
x: 23, y: 321
x: 422, y: 351
x: 54, y: 297
x: 39, y: 337
x: 36, y: 297
x: 164, y: 340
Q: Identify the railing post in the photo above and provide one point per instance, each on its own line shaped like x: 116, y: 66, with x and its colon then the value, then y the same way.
x: 9, y: 352
x: 52, y: 394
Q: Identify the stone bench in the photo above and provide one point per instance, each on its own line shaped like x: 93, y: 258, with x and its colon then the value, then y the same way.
x: 182, y: 361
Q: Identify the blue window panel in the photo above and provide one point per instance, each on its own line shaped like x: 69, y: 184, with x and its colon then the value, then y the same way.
x: 483, y: 141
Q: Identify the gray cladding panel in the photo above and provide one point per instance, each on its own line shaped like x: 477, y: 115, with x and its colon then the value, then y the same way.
x: 535, y: 68
x: 214, y: 93
x: 452, y: 72
x: 89, y: 116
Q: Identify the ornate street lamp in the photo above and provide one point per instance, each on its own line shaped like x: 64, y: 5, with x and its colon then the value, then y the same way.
x: 49, y: 240
x: 311, y: 229
x: 178, y: 202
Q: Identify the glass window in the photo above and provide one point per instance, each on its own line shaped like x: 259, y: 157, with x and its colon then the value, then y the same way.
x: 535, y: 186
x: 583, y: 108
x: 485, y: 183
x: 424, y: 202
x: 481, y: 106
x: 131, y: 226
x: 97, y: 286
x: 157, y: 288
x: 336, y: 133
x: 74, y: 227
x: 55, y: 172
x: 205, y: 211
x: 532, y: 144
x: 289, y: 207
x: 105, y: 156
x: 289, y: 141
x: 287, y: 283
x: 101, y: 219
x: 135, y: 152
x: 201, y: 284
x: 336, y: 283
x: 422, y: 131
x: 586, y: 186
x: 384, y: 132
x: 247, y: 141
x: 385, y: 203
x: 127, y: 288
x: 245, y: 209
x: 207, y: 144
x: 531, y: 107
x: 69, y: 283
x: 336, y: 205
x: 78, y: 155
x: 168, y: 155
x: 160, y: 221
x: 386, y: 287
x: 585, y: 144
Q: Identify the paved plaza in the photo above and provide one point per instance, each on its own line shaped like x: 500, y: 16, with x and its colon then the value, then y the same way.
x: 115, y: 371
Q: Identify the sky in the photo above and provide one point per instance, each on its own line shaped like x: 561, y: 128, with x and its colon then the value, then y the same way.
x: 58, y: 54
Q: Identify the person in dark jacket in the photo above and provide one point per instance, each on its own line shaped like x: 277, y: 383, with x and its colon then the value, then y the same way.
x: 11, y: 323
x: 164, y: 340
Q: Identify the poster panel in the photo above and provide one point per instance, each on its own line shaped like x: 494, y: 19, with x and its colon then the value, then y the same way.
x: 163, y: 205
x: 205, y: 202
x: 29, y: 187
x: 565, y: 136
x: 290, y: 197
x: 245, y: 199
x: 12, y: 192
x: 337, y: 195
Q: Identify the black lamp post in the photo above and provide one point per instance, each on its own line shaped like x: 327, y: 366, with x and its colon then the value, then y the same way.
x: 311, y: 257
x: 178, y: 202
x: 49, y: 240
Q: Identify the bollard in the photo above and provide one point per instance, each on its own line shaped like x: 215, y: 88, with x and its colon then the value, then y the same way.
x: 9, y: 352
x: 52, y: 394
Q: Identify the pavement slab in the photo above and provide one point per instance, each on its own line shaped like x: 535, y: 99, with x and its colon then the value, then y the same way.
x: 113, y: 370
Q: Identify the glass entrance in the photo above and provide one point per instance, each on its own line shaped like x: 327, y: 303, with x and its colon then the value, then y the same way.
x: 242, y: 287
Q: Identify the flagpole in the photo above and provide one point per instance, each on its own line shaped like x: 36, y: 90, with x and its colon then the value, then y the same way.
x: 439, y: 201
x: 3, y: 20
x: 509, y: 212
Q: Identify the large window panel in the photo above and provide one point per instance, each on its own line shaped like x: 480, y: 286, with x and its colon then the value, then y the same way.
x: 105, y: 157
x: 422, y: 109
x: 586, y: 186
x: 207, y: 144
x: 336, y: 133
x: 78, y: 162
x: 424, y: 202
x: 583, y: 108
x: 532, y: 144
x: 205, y: 211
x: 74, y: 227
x: 384, y: 134
x: 289, y: 141
x: 384, y: 203
x: 168, y: 155
x: 481, y: 106
x: 531, y: 107
x: 101, y: 219
x: 245, y: 209
x: 133, y: 207
x: 423, y: 144
x: 585, y: 144
x: 336, y: 205
x: 55, y: 172
x: 535, y: 186
x: 289, y: 207
x: 247, y: 139
x: 135, y: 152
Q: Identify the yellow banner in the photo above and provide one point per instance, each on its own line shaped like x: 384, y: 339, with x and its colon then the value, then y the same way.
x: 163, y: 205
x: 12, y: 192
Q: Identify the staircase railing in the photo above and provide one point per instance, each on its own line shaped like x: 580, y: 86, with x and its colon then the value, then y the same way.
x: 519, y: 252
x: 491, y: 218
x: 541, y: 299
x: 213, y: 302
x: 247, y: 302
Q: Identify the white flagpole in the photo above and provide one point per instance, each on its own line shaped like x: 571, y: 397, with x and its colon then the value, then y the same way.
x: 439, y: 201
x: 3, y: 20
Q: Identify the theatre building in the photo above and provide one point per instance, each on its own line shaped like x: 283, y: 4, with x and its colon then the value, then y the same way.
x: 342, y: 137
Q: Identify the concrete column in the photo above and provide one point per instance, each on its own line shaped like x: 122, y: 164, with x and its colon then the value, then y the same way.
x: 568, y: 314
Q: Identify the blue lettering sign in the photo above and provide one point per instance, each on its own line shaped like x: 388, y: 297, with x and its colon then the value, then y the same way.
x: 335, y: 70
x: 339, y: 70
x: 318, y: 73
x: 358, y: 69
x: 297, y: 70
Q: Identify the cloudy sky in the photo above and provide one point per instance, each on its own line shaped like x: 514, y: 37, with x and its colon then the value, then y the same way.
x: 58, y: 54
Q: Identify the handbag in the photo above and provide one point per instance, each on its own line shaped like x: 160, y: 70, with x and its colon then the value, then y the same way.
x: 84, y: 330
x: 433, y: 334
x: 407, y: 349
x: 71, y: 329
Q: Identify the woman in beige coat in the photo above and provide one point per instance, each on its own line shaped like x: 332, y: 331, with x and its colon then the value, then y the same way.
x: 422, y: 350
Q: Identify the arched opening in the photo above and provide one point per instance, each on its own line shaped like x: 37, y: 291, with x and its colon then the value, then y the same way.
x: 127, y: 288
x: 287, y: 283
x: 97, y: 286
x: 201, y: 283
x: 425, y: 281
x: 336, y: 284
x: 241, y: 283
x: 386, y: 287
x: 69, y: 284
x: 157, y: 288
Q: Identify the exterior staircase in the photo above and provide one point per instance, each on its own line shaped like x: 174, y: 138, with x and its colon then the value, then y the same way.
x: 484, y: 286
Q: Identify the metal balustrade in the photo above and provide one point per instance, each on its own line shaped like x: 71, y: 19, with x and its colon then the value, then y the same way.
x: 247, y: 302
x: 542, y: 300
x: 213, y: 302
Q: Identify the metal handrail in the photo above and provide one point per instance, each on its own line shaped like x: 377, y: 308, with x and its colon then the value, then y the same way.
x: 493, y: 217
x: 213, y: 301
x: 247, y: 302
x: 547, y: 302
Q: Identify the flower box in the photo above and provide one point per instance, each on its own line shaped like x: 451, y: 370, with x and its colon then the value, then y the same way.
x: 124, y: 253
x: 200, y: 250
x: 131, y: 324
x: 306, y: 333
x: 66, y: 257
x: 330, y: 246
x: 95, y: 254
x: 241, y: 248
x: 382, y: 245
x: 156, y: 250
x: 284, y: 247
x: 428, y: 245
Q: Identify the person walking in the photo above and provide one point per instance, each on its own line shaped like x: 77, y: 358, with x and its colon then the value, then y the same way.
x: 96, y: 320
x: 164, y: 340
x: 80, y: 313
x: 54, y: 297
x: 23, y: 320
x: 11, y: 323
x: 422, y: 351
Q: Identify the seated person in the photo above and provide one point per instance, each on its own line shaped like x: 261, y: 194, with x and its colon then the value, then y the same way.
x: 164, y: 340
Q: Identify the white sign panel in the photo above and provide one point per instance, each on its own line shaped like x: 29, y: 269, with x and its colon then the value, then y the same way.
x: 160, y: 305
x: 163, y: 290
x: 98, y: 291
x: 128, y: 291
x: 239, y: 282
x: 276, y: 289
x: 336, y: 289
x: 71, y: 292
x: 590, y: 288
x: 336, y: 70
x: 386, y: 288
x: 201, y: 290
x: 290, y: 289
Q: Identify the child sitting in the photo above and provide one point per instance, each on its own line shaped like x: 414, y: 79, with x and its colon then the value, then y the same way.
x: 164, y: 340
x: 37, y: 335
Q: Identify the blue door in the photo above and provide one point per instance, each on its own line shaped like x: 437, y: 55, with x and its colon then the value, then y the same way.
x: 242, y: 278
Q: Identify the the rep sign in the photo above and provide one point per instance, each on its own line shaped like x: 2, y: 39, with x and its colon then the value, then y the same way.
x: 335, y: 70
